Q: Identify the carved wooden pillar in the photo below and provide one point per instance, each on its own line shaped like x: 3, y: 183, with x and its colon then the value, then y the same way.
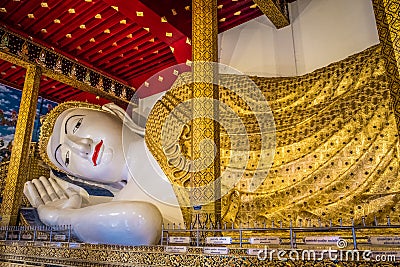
x: 17, y: 170
x: 205, y: 127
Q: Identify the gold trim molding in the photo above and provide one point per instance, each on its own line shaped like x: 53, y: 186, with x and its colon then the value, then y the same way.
x: 279, y: 17
x: 24, y: 52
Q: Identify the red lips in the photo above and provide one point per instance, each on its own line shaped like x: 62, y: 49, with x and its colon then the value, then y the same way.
x: 96, y: 152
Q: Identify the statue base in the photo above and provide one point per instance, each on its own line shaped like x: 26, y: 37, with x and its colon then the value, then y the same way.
x: 77, y: 254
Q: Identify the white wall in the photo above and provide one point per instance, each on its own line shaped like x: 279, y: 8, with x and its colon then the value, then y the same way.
x: 321, y: 32
x: 257, y: 48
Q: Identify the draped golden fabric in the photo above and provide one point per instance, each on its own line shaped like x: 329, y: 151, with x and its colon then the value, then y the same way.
x: 336, y: 145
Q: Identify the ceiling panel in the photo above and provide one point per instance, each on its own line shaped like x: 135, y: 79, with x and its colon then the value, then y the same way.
x: 127, y: 40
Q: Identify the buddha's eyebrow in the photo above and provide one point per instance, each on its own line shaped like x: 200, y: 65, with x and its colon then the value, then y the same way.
x: 55, y: 154
x: 66, y: 122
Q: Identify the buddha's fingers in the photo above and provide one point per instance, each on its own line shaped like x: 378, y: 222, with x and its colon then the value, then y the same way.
x: 59, y: 191
x: 49, y: 188
x: 74, y: 199
x: 42, y: 191
x: 71, y: 192
x: 32, y: 194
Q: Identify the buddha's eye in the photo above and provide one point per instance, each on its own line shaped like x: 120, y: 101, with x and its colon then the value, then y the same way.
x: 67, y: 159
x: 77, y: 125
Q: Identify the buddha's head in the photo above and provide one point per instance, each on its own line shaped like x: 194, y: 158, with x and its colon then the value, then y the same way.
x: 85, y: 141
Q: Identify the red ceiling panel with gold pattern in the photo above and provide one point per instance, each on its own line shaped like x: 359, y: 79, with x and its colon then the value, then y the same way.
x: 126, y: 40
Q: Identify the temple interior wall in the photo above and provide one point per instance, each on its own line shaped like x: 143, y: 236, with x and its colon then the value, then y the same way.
x: 321, y: 32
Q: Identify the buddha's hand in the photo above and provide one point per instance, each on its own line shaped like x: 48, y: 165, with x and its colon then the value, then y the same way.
x: 51, y: 199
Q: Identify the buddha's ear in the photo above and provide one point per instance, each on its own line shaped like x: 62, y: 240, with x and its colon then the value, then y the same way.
x: 120, y: 113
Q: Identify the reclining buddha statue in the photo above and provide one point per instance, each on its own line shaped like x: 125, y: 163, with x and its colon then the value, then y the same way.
x: 84, y: 140
x: 324, y: 148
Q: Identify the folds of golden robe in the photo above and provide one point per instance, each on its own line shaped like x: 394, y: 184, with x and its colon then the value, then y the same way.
x: 336, y: 145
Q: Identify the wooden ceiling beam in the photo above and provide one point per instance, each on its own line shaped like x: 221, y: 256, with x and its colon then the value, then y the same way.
x: 123, y: 46
x: 41, y: 13
x: 51, y: 90
x: 47, y: 86
x: 273, y: 12
x: 128, y: 45
x: 150, y: 49
x: 230, y: 22
x: 102, y: 40
x: 64, y: 91
x: 141, y: 68
x: 55, y: 13
x: 229, y: 8
x: 18, y: 72
x: 108, y: 17
x: 58, y: 30
x: 141, y: 72
x: 11, y: 84
x: 22, y: 11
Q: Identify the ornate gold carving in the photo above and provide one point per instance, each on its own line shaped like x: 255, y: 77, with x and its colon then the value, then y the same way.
x: 83, y: 86
x: 337, y: 145
x: 102, y: 255
x: 55, y: 70
x: 4, y: 42
x: 204, y: 124
x: 273, y: 12
x: 387, y: 15
x: 17, y: 170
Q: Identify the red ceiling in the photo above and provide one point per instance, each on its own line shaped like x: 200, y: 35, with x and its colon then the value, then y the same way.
x: 127, y: 40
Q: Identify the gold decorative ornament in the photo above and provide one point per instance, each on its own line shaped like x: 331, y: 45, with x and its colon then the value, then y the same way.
x: 277, y: 16
x: 4, y: 42
x: 387, y: 16
x: 205, y: 95
x: 58, y: 66
x: 22, y: 58
x: 336, y: 138
x: 19, y: 161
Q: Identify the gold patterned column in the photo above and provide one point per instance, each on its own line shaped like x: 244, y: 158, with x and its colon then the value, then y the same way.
x: 205, y: 127
x: 18, y: 167
x: 387, y: 15
x: 278, y: 16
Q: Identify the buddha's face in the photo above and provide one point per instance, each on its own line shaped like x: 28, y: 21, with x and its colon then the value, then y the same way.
x: 88, y: 144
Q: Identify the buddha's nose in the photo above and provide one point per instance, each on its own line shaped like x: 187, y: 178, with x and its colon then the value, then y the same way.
x: 81, y: 146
